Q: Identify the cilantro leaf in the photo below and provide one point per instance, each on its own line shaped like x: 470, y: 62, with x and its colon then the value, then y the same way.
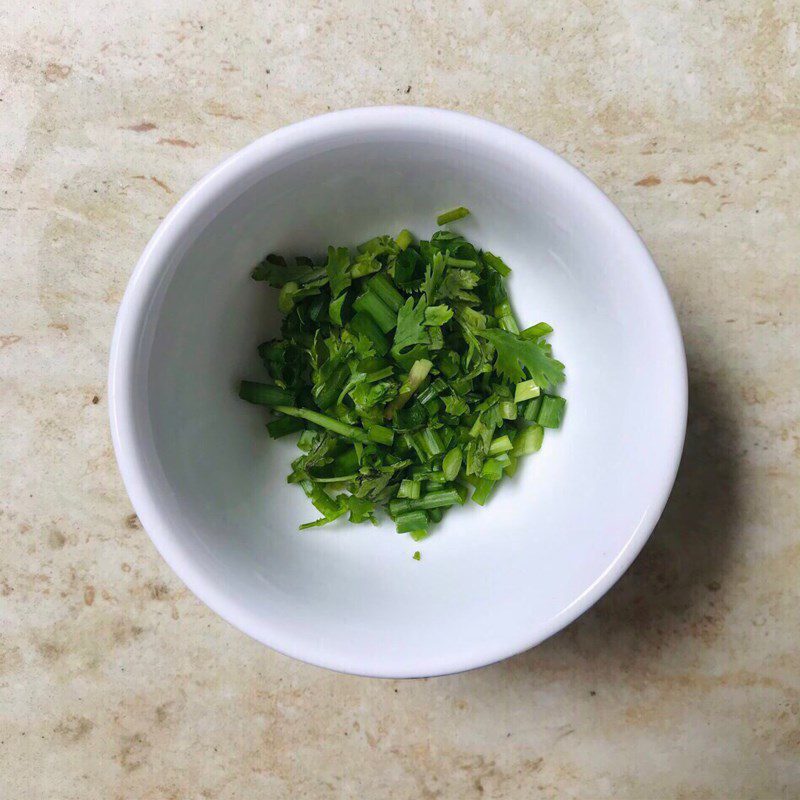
x: 438, y: 315
x: 457, y: 284
x: 410, y: 328
x: 514, y: 353
x: 361, y: 510
x: 433, y: 277
x: 337, y: 269
x: 275, y: 271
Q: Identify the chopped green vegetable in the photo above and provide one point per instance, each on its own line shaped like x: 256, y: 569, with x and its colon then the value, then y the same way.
x: 283, y: 426
x: 497, y: 264
x: 483, y: 489
x: 381, y: 435
x: 529, y: 440
x: 404, y: 239
x: 370, y: 303
x: 411, y: 333
x: 514, y: 353
x: 264, y: 394
x: 536, y: 331
x: 403, y: 367
x: 502, y: 444
x: 411, y: 522
x: 336, y: 268
x: 409, y: 489
x: 526, y: 390
x: 452, y: 216
x: 417, y: 556
x: 451, y: 464
x: 438, y: 315
x: 552, y: 411
x: 365, y: 325
x: 382, y: 286
x: 457, y: 284
x: 359, y: 434
x: 443, y: 498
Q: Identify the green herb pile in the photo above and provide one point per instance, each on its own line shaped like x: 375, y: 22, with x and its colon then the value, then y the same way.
x: 404, y: 369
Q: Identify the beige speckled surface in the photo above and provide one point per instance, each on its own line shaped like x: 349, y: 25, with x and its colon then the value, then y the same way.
x: 684, y: 682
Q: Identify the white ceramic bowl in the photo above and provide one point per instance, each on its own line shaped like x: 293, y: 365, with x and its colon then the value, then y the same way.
x: 210, y: 487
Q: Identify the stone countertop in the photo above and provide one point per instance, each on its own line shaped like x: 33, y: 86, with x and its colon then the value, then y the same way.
x: 683, y: 682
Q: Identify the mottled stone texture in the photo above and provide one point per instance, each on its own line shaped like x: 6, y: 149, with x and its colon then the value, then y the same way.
x: 684, y: 682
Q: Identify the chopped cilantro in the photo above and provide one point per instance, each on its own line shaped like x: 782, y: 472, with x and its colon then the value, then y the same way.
x: 336, y: 268
x: 402, y: 366
x: 457, y: 285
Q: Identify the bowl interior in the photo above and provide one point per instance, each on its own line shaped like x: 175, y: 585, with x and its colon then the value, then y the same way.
x: 212, y: 486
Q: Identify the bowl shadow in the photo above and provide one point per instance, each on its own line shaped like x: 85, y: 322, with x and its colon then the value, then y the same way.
x: 673, y: 592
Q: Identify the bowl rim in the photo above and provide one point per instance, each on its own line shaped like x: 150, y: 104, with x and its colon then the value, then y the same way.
x: 147, y: 276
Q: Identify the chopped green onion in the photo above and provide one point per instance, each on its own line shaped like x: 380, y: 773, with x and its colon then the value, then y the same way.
x: 364, y: 324
x: 411, y: 521
x: 327, y: 394
x: 404, y: 239
x: 418, y: 372
x: 508, y: 409
x: 529, y: 440
x: 411, y: 442
x: 370, y: 303
x: 452, y: 216
x: 502, y: 444
x: 451, y: 464
x: 433, y: 389
x: 381, y: 434
x: 322, y: 501
x: 526, y: 390
x: 433, y: 406
x: 552, y: 411
x: 435, y: 514
x: 492, y: 469
x: 536, y: 331
x: 443, y: 498
x: 430, y: 441
x: 379, y: 375
x: 283, y: 426
x: 532, y: 407
x: 505, y: 317
x: 417, y: 555
x: 409, y: 489
x: 416, y: 375
x: 381, y: 285
x: 483, y: 490
x: 264, y: 394
x: 461, y: 263
x: 497, y: 264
